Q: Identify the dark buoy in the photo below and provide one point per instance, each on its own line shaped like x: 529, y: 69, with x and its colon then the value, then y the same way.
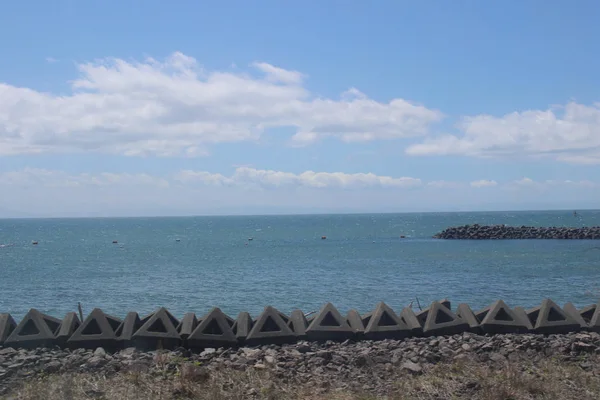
x: 115, y: 242
x: 178, y: 240
x: 323, y: 237
x: 250, y: 238
x: 402, y: 237
x: 34, y: 242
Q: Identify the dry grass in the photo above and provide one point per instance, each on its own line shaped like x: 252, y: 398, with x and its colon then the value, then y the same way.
x: 550, y: 379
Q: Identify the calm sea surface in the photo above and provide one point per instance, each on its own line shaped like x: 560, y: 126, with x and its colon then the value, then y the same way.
x: 195, y: 263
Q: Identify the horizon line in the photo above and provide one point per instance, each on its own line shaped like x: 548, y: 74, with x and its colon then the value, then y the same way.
x: 298, y: 214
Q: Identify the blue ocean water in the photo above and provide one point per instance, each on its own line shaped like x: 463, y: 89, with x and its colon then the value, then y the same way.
x: 195, y: 263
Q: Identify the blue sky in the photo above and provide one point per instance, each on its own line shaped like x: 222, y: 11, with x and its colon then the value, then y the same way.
x: 131, y: 107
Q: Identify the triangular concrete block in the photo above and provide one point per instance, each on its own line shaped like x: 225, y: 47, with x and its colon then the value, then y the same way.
x: 7, y: 326
x: 464, y: 312
x: 214, y: 330
x: 500, y: 318
x: 441, y: 321
x: 128, y: 327
x: 158, y: 330
x: 68, y: 326
x: 522, y: 315
x: 355, y: 321
x: 587, y: 312
x: 552, y: 319
x: 422, y: 315
x: 328, y: 324
x: 270, y: 327
x: 594, y: 324
x: 298, y: 323
x: 242, y: 326
x: 35, y: 330
x: 572, y: 311
x: 385, y: 324
x: 410, y: 319
x: 98, y: 330
x: 188, y: 323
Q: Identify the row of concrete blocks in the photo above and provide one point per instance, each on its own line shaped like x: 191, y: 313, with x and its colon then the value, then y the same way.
x: 215, y: 329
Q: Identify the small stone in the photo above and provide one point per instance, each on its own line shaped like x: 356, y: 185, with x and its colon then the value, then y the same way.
x: 581, y: 346
x: 270, y: 359
x: 99, y: 352
x: 52, y: 366
x: 96, y: 361
x: 251, y: 353
x: 361, y: 360
x: 466, y: 347
x: 303, y: 347
x: 496, y: 357
x: 7, y: 351
x: 208, y: 351
x: 412, y: 367
x: 260, y: 366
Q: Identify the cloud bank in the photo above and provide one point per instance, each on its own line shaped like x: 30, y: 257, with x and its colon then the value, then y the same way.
x: 176, y: 108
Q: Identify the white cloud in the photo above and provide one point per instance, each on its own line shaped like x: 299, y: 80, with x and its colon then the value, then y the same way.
x: 176, y: 108
x: 52, y: 178
x: 483, y: 183
x: 274, y: 179
x: 568, y: 134
x: 528, y: 182
x: 445, y: 184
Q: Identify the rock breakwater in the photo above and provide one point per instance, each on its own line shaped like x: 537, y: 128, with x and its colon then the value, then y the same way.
x: 490, y: 232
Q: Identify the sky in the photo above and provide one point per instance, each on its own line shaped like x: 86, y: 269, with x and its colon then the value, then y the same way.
x: 126, y: 108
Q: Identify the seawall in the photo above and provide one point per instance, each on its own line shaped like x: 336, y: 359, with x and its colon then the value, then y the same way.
x: 215, y: 329
x: 488, y: 232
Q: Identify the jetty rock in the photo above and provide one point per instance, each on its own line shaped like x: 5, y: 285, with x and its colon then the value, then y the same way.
x: 496, y: 232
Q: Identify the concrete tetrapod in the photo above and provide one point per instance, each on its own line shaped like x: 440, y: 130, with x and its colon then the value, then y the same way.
x: 97, y: 330
x: 158, y: 330
x: 187, y: 325
x: 7, y: 326
x: 499, y: 318
x: 550, y: 318
x: 68, y: 326
x: 571, y: 310
x: 298, y: 324
x: 270, y: 327
x: 593, y: 315
x: 464, y: 312
x: 383, y: 323
x: 214, y: 330
x: 242, y: 326
x: 356, y: 323
x: 410, y: 319
x: 328, y: 324
x: 422, y: 315
x: 522, y: 315
x: 441, y: 321
x: 34, y: 330
x: 128, y: 327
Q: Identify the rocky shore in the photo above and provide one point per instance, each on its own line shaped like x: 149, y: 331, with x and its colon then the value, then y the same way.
x: 372, y: 368
x: 486, y: 232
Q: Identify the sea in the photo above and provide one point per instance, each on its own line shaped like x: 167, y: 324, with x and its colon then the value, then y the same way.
x: 244, y: 263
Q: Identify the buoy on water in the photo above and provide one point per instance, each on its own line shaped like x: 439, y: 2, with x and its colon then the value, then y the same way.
x: 178, y: 240
x: 402, y: 237
x: 323, y: 237
x: 250, y: 238
x: 34, y: 242
x: 115, y: 242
